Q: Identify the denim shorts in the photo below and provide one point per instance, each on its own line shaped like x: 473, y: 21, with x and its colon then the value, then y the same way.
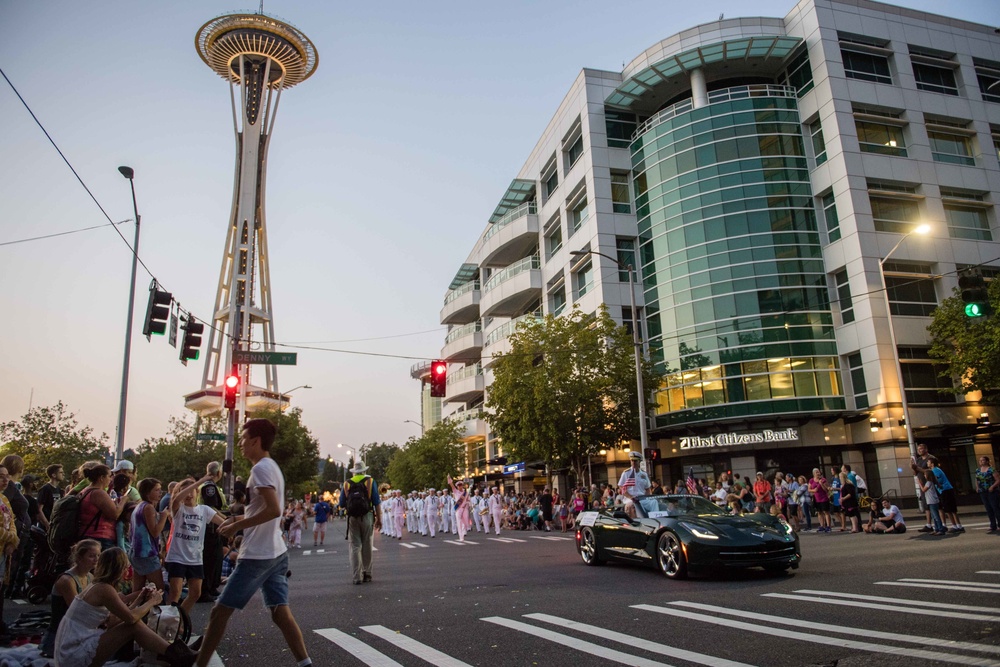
x: 270, y: 576
x: 146, y: 565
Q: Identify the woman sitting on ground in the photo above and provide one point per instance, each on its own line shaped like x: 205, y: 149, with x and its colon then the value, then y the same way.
x: 81, y: 641
x: 83, y: 558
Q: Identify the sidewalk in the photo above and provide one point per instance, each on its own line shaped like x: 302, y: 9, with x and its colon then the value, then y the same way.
x: 917, y: 517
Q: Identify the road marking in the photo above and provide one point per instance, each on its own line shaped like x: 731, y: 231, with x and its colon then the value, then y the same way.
x: 420, y: 544
x: 472, y: 543
x: 321, y: 551
x: 964, y: 589
x: 899, y: 601
x: 636, y: 642
x: 461, y: 544
x: 306, y: 552
x: 500, y: 539
x: 551, y: 538
x: 408, y: 546
x: 874, y: 634
x: 816, y: 639
x: 357, y: 648
x: 414, y: 647
x: 988, y: 572
x: 953, y: 583
x: 570, y: 642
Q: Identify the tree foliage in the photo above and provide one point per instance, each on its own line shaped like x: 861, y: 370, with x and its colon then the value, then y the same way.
x: 295, y: 450
x: 47, y: 435
x: 174, y: 456
x: 968, y: 348
x: 566, y: 389
x: 377, y: 457
x: 428, y: 460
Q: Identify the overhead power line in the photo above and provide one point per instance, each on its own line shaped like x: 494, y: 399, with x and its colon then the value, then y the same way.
x: 72, y: 231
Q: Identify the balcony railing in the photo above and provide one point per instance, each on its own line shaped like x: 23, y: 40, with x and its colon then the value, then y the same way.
x: 465, y: 373
x: 724, y: 95
x: 524, y: 209
x: 507, y: 328
x: 508, y: 272
x: 467, y: 415
x: 462, y: 331
x: 470, y: 286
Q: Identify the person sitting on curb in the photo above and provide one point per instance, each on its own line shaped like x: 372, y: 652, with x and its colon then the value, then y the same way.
x: 892, y: 519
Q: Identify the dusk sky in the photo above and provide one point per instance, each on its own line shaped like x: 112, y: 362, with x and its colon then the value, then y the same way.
x: 383, y: 170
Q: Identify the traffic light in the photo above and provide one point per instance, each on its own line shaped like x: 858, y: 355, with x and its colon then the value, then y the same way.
x: 157, y: 312
x: 652, y: 453
x: 191, y: 339
x: 974, y: 295
x: 232, y: 385
x: 439, y: 377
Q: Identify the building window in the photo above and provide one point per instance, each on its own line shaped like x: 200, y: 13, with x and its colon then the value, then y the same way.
x: 988, y: 74
x: 620, y: 126
x: 865, y: 58
x: 799, y: 73
x: 550, y: 177
x: 922, y: 378
x: 951, y: 148
x: 910, y: 288
x: 621, y: 198
x: 574, y: 152
x: 579, y: 211
x: 584, y: 279
x: 967, y: 222
x: 891, y: 214
x: 557, y: 300
x: 819, y: 146
x: 831, y: 217
x: 934, y: 71
x: 858, y: 386
x: 995, y: 134
x: 626, y: 257
x: 880, y: 138
x: 844, y: 296
x: 553, y: 238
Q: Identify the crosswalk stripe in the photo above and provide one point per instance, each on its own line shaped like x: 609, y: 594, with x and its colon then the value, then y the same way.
x: 636, y: 642
x: 408, y: 546
x: 571, y: 642
x: 886, y: 607
x: 514, y: 539
x: 461, y: 544
x: 321, y: 551
x: 952, y: 583
x: 964, y: 589
x: 551, y: 538
x: 306, y: 552
x: 901, y: 601
x: 357, y: 648
x: 420, y: 544
x: 476, y: 544
x: 839, y: 642
x: 499, y: 539
x: 988, y: 572
x: 414, y: 647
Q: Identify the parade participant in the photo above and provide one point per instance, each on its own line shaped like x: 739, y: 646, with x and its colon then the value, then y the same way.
x: 410, y: 524
x: 477, y: 508
x: 361, y: 500
x: 99, y: 621
x: 187, y: 538
x: 431, y: 512
x: 421, y: 506
x: 321, y: 514
x: 634, y: 482
x: 461, y: 505
x: 398, y: 514
x: 263, y: 558
x: 496, y: 509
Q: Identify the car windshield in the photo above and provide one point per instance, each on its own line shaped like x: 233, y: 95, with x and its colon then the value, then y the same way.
x: 660, y: 506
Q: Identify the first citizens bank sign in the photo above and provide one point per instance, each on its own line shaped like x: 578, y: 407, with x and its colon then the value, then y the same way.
x: 731, y: 439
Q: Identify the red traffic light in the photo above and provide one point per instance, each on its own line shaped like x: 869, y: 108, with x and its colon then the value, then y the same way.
x: 232, y: 381
x: 439, y: 375
x: 232, y: 385
x: 440, y: 369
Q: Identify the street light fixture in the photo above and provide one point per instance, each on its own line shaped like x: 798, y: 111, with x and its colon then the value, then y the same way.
x: 353, y: 451
x: 420, y: 424
x: 919, y: 229
x: 128, y: 173
x: 643, y: 436
x: 301, y: 386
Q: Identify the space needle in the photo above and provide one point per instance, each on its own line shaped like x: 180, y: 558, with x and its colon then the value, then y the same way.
x: 259, y: 56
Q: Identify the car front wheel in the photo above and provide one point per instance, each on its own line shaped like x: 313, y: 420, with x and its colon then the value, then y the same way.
x: 670, y: 556
x: 588, y: 547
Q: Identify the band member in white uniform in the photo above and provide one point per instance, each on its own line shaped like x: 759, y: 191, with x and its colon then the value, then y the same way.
x: 409, y: 513
x: 431, y: 511
x: 496, y: 509
x: 422, y: 513
x: 398, y: 514
x: 477, y: 508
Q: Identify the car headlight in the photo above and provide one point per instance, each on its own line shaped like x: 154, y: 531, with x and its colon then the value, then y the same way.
x: 699, y: 531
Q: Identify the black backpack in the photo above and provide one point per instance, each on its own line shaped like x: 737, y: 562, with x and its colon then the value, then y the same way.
x: 64, y: 524
x: 359, y: 496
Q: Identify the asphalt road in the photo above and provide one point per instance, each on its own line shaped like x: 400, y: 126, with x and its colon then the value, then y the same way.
x: 857, y: 600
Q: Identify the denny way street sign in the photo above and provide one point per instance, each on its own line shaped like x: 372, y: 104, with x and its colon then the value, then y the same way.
x: 210, y: 436
x: 267, y: 358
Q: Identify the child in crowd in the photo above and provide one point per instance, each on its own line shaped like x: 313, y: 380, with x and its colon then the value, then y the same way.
x: 187, y: 541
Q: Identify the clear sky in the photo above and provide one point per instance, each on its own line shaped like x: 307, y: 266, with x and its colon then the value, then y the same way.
x: 383, y: 170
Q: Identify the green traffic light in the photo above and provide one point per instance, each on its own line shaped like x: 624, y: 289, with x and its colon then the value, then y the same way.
x: 973, y: 310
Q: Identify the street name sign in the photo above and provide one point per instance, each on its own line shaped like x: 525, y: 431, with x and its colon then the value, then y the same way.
x: 267, y: 358
x: 210, y: 436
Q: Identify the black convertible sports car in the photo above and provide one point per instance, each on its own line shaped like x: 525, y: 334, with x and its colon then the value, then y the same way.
x: 680, y: 533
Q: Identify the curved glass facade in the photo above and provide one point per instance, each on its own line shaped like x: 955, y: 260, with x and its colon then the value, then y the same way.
x: 737, y: 307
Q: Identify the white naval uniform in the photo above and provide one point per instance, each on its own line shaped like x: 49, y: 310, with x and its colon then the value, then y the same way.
x: 445, y: 501
x: 398, y: 514
x: 422, y: 515
x: 410, y: 514
x: 496, y: 511
x: 430, y: 511
x: 477, y: 507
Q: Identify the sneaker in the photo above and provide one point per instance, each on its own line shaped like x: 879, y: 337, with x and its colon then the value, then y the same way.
x: 366, y: 578
x: 954, y: 529
x: 926, y: 529
x: 961, y: 529
x: 940, y: 532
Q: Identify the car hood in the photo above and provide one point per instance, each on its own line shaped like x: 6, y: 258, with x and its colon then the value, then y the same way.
x: 738, y: 526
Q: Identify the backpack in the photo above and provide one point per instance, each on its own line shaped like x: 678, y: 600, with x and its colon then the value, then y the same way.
x: 359, y: 497
x: 64, y: 523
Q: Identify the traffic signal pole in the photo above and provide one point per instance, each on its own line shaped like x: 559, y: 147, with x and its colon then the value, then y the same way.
x: 123, y: 398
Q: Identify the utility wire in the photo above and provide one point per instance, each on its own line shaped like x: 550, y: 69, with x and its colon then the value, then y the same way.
x: 362, y: 340
x: 72, y: 231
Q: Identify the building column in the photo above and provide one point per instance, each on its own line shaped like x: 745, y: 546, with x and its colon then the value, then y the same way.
x: 699, y: 89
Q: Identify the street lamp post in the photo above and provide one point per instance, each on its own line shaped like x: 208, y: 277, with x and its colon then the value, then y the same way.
x: 420, y: 424
x: 920, y: 229
x: 128, y: 173
x: 283, y: 403
x: 637, y: 342
x: 354, y: 452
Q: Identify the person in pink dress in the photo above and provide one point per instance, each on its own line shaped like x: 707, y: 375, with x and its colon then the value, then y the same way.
x: 464, y: 521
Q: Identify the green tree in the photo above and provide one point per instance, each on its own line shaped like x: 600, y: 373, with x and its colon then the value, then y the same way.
x: 428, y: 460
x: 177, y: 454
x: 968, y: 347
x: 377, y: 457
x: 47, y: 435
x: 566, y: 389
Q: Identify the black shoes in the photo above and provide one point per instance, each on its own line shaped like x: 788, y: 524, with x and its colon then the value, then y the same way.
x: 366, y: 578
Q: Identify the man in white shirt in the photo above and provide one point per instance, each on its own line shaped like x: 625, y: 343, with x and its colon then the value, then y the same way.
x: 634, y: 482
x: 263, y: 558
x: 431, y: 512
x: 496, y: 509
